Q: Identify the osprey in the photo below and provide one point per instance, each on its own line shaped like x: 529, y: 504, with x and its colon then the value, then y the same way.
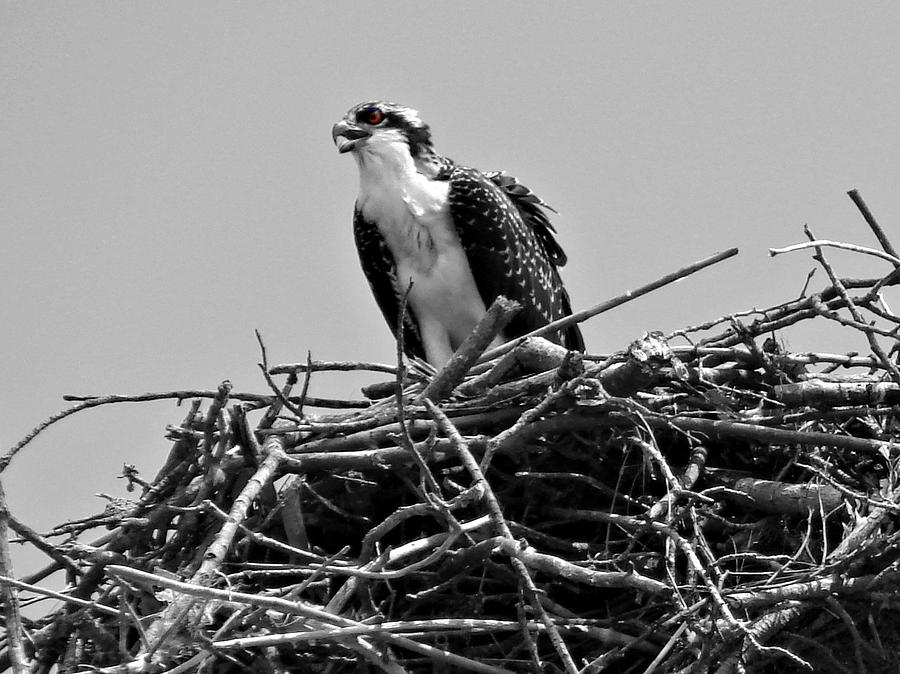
x: 462, y: 237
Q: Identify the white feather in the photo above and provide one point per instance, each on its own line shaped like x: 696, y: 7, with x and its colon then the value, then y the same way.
x: 412, y: 214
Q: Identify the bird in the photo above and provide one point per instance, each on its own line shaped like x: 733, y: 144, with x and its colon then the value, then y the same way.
x: 448, y: 237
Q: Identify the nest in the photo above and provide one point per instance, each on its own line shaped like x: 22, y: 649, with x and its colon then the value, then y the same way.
x: 703, y: 501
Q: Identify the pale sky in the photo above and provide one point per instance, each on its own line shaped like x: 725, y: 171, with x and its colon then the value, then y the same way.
x: 169, y: 183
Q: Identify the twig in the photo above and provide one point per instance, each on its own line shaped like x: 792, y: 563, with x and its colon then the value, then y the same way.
x: 851, y: 307
x: 43, y: 545
x: 281, y: 394
x: 319, y: 617
x: 873, y: 224
x: 636, y: 525
x: 498, y: 315
x: 385, y: 433
x: 822, y: 243
x: 306, y: 380
x: 556, y: 566
x: 88, y: 402
x: 332, y: 366
x: 293, y: 607
x: 528, y: 417
x: 764, y: 434
x: 399, y: 396
x: 13, y: 618
x: 68, y: 599
x: 581, y: 316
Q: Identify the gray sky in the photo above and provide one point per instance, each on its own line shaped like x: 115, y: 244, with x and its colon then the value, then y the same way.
x: 169, y: 183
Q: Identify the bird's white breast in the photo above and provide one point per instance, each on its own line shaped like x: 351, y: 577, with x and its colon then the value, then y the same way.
x: 412, y: 214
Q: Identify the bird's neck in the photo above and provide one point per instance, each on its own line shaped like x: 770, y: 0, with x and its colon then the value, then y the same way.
x: 391, y: 183
x: 408, y: 207
x: 384, y: 162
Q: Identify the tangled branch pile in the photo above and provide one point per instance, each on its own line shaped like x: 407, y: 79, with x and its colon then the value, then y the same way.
x: 718, y: 505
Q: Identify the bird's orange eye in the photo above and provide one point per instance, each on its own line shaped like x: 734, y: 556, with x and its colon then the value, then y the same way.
x: 374, y: 116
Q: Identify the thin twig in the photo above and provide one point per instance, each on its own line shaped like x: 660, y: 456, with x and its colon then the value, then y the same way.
x: 281, y: 394
x: 823, y: 243
x: 11, y: 609
x: 332, y: 366
x: 88, y: 402
x: 68, y: 599
x: 873, y: 224
x: 851, y: 307
x: 581, y: 316
x: 498, y: 315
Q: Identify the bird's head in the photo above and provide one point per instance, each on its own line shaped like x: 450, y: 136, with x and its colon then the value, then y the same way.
x: 378, y: 125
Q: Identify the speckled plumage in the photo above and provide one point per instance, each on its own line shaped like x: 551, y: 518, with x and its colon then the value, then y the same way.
x: 403, y: 227
x: 513, y: 247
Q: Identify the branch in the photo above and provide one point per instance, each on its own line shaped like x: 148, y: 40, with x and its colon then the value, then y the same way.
x: 873, y: 224
x: 498, y: 315
x: 14, y: 630
x: 581, y: 316
x: 820, y: 243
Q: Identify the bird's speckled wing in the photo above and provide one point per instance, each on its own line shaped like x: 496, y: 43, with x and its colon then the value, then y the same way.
x: 533, y: 210
x: 381, y: 273
x: 510, y: 254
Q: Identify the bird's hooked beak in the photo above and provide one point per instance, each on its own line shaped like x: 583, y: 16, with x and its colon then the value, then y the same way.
x: 347, y: 135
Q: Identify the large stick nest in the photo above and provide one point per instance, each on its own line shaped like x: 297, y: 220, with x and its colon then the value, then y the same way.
x: 700, y: 501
